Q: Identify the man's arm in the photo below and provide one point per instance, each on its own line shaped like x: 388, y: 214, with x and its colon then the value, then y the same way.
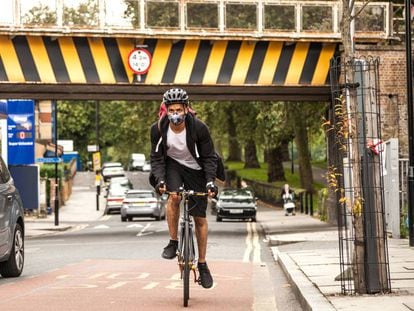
x: 157, y: 154
x: 207, y: 153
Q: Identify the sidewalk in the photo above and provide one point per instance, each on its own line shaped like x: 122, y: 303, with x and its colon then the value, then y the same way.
x: 78, y: 210
x: 307, y: 250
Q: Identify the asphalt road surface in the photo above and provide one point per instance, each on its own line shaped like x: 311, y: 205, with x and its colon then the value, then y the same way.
x: 114, y: 265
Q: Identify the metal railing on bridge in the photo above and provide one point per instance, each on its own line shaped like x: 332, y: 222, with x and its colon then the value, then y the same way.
x: 238, y: 19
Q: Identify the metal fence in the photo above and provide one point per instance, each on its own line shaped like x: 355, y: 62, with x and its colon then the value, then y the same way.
x: 356, y: 174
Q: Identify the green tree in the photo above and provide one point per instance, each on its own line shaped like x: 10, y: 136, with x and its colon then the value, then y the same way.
x: 273, y: 127
x: 40, y: 15
x: 76, y: 121
x: 85, y: 14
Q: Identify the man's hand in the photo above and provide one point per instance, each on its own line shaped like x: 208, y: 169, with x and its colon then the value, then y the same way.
x: 160, y: 187
x: 212, y: 189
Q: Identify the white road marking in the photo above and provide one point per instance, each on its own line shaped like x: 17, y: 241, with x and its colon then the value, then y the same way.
x: 117, y: 285
x: 151, y: 285
x: 96, y: 275
x: 176, y: 276
x: 101, y: 227
x: 142, y: 232
x: 143, y: 275
x: 135, y: 226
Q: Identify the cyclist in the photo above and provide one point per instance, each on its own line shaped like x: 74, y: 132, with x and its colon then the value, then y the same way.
x: 183, y: 154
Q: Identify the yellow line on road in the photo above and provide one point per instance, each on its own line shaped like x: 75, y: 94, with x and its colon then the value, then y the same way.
x: 252, y: 244
x: 246, y: 256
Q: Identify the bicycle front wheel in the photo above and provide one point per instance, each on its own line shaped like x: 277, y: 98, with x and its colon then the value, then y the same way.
x: 186, y: 255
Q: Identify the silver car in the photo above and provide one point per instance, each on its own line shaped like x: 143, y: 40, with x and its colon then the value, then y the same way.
x: 11, y: 226
x: 142, y: 203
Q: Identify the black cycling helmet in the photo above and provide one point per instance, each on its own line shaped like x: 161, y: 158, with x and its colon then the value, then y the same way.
x: 175, y: 96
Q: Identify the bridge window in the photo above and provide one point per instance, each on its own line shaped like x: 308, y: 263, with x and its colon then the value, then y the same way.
x: 42, y: 13
x: 80, y: 13
x: 279, y: 17
x: 163, y: 14
x: 372, y: 18
x: 202, y: 15
x: 7, y: 7
x: 123, y: 13
x: 317, y: 18
x: 241, y: 16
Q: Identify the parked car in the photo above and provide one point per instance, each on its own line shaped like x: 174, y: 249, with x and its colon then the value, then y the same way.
x: 136, y: 162
x: 146, y: 167
x: 115, y: 198
x: 112, y: 171
x: 236, y: 204
x: 11, y: 226
x: 143, y: 203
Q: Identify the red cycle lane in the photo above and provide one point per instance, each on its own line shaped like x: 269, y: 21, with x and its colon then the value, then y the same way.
x: 129, y: 285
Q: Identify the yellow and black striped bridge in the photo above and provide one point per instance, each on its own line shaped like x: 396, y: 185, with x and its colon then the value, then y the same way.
x: 88, y: 67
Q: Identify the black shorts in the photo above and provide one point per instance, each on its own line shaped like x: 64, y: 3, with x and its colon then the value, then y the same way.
x: 178, y: 176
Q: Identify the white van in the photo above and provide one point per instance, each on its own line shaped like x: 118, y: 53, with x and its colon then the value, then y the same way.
x: 136, y: 161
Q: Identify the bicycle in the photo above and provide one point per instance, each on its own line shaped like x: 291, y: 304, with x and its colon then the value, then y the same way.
x: 186, y: 249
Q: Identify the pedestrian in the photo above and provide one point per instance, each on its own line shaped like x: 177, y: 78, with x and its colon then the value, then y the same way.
x: 286, y: 193
x: 183, y: 154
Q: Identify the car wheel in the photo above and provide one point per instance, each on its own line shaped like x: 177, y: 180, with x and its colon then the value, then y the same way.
x: 157, y: 218
x: 123, y: 219
x: 129, y: 218
x: 218, y: 218
x: 253, y: 219
x: 13, y: 267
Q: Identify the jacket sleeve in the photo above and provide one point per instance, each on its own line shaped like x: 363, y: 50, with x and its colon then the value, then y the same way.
x: 207, y: 152
x: 157, y: 155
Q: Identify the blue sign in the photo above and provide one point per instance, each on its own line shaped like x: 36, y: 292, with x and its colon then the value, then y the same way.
x: 20, y: 132
x: 48, y: 160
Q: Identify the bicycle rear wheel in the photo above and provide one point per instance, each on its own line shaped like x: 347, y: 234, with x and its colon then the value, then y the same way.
x: 186, y: 253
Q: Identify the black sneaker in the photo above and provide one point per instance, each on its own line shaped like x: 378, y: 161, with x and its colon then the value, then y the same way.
x: 170, y: 251
x: 206, y: 280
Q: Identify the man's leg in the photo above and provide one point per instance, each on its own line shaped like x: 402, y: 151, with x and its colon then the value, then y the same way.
x: 201, y: 230
x: 173, y: 215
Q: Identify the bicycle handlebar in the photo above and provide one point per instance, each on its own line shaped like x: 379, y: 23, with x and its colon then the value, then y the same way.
x: 186, y: 193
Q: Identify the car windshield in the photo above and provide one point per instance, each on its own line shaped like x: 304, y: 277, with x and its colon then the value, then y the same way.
x: 141, y: 195
x: 118, y: 191
x: 112, y: 169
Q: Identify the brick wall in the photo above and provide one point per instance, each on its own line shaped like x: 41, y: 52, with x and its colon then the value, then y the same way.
x: 392, y: 85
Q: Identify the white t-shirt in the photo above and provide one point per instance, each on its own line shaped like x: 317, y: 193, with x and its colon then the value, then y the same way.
x: 178, y: 150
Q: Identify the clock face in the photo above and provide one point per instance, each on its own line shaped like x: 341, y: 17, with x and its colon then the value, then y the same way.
x: 139, y: 60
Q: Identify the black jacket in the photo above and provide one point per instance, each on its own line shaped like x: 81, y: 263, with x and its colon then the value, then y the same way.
x: 199, y: 143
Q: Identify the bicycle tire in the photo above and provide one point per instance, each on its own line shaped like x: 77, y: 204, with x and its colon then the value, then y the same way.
x: 186, y: 277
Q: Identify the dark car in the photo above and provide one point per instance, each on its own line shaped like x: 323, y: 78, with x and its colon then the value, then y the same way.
x: 236, y: 204
x: 11, y: 226
x: 143, y: 203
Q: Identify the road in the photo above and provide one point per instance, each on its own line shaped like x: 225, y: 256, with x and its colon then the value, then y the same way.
x: 111, y: 265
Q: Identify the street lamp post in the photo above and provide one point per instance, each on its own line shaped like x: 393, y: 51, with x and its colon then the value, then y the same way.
x: 98, y: 181
x: 56, y: 201
x: 410, y: 122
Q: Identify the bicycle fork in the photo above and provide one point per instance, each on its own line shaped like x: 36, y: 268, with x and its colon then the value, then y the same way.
x: 180, y: 251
